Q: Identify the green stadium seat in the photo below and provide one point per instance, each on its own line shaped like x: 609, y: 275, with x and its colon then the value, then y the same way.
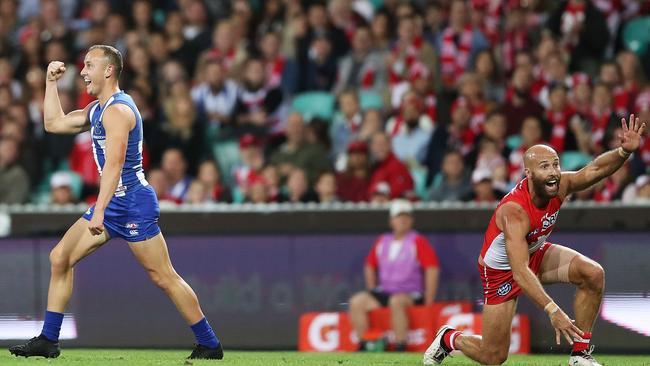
x: 370, y: 100
x: 419, y: 175
x: 314, y: 104
x: 574, y: 160
x: 513, y: 142
x: 636, y: 35
x: 226, y: 154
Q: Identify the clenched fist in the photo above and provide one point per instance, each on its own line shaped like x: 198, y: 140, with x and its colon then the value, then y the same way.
x: 55, y: 70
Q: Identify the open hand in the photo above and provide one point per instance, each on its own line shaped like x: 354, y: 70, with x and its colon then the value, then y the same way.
x: 565, y: 326
x: 632, y: 132
x: 55, y: 70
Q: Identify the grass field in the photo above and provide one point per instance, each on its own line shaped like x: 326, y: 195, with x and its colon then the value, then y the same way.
x: 87, y: 357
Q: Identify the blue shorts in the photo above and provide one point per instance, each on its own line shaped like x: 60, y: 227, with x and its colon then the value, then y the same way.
x: 132, y: 217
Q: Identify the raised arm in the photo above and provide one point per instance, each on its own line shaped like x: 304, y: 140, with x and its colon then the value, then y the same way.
x: 607, y: 163
x: 118, y: 121
x: 55, y: 120
x: 514, y: 223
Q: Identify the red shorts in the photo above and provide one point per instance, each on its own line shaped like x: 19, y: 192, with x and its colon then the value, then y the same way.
x: 499, y: 286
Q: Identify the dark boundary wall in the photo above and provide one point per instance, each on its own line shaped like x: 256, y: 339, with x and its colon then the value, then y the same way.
x: 253, y: 287
x: 336, y: 219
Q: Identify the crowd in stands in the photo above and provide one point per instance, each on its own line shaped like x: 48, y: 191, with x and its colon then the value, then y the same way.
x: 325, y: 101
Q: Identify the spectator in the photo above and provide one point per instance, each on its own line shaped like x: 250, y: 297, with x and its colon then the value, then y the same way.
x: 453, y: 183
x: 298, y: 189
x: 258, y: 192
x: 458, y: 136
x: 515, y: 38
x: 197, y: 193
x: 209, y: 176
x: 401, y: 270
x: 227, y: 48
x: 258, y: 107
x: 471, y: 91
x: 581, y: 93
x: 381, y: 30
x: 380, y: 193
x: 181, y: 128
x: 388, y: 168
x: 611, y: 188
x: 317, y: 133
x: 216, y: 96
x: 566, y: 134
x: 458, y: 44
x: 632, y: 77
x: 491, y: 159
x: 252, y: 161
x: 372, y: 123
x: 271, y: 183
x: 487, y: 71
x: 582, y: 30
x: 326, y: 187
x: 14, y: 182
x: 318, y: 70
x: 410, y: 130
x: 362, y: 68
x: 639, y: 191
x: 174, y: 166
x: 602, y: 118
x: 180, y: 49
x: 297, y: 153
x: 531, y: 134
x: 409, y: 48
x: 347, y: 125
x: 520, y: 103
x: 483, y: 190
x: 353, y: 183
x: 158, y: 181
x: 61, y: 189
x: 274, y: 61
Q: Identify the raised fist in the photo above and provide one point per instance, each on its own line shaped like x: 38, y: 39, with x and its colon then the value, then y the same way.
x: 55, y: 70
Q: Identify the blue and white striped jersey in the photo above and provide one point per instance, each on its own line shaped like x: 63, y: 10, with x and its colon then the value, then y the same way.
x: 132, y: 176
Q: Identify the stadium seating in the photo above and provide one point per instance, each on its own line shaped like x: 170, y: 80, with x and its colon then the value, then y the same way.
x: 636, y: 35
x: 314, y: 104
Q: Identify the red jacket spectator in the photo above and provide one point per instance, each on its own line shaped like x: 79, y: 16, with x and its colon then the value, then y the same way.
x: 394, y: 172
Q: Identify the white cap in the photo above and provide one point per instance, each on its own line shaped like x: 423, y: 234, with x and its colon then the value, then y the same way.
x: 642, y: 180
x: 60, y: 179
x: 400, y: 206
x: 480, y: 175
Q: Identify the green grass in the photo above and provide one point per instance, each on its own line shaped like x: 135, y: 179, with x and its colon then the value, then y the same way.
x: 87, y: 357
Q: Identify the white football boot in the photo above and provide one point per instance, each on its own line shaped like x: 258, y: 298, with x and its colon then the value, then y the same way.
x: 583, y: 358
x: 436, y: 352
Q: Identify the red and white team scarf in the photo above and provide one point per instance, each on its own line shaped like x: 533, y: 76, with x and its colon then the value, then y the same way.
x: 405, y: 60
x: 573, y: 14
x: 431, y: 106
x: 513, y: 41
x: 227, y: 58
x: 599, y: 121
x: 606, y: 194
x: 560, y: 123
x: 644, y: 151
x: 274, y: 70
x: 454, y: 58
x: 623, y: 98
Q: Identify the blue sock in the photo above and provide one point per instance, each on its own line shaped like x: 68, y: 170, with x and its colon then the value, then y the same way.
x: 204, y: 334
x: 52, y: 325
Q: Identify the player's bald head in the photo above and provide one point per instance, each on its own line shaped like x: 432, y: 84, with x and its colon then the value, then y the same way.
x: 537, y: 153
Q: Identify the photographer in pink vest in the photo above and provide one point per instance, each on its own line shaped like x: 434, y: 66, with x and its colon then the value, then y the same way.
x: 401, y: 270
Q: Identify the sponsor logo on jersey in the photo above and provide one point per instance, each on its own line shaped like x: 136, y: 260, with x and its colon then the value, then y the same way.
x: 548, y: 221
x: 132, y: 225
x: 133, y: 232
x: 504, y: 289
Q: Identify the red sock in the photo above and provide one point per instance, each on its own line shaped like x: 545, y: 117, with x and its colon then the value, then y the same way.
x: 449, y: 339
x: 581, y: 344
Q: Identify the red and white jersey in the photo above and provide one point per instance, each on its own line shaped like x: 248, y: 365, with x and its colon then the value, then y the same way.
x: 542, y: 222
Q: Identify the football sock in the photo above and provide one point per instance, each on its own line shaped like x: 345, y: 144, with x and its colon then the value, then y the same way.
x: 204, y: 334
x: 581, y: 344
x: 449, y: 338
x: 52, y: 325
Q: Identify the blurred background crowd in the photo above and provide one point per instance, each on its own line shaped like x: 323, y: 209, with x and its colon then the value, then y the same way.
x: 325, y: 101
